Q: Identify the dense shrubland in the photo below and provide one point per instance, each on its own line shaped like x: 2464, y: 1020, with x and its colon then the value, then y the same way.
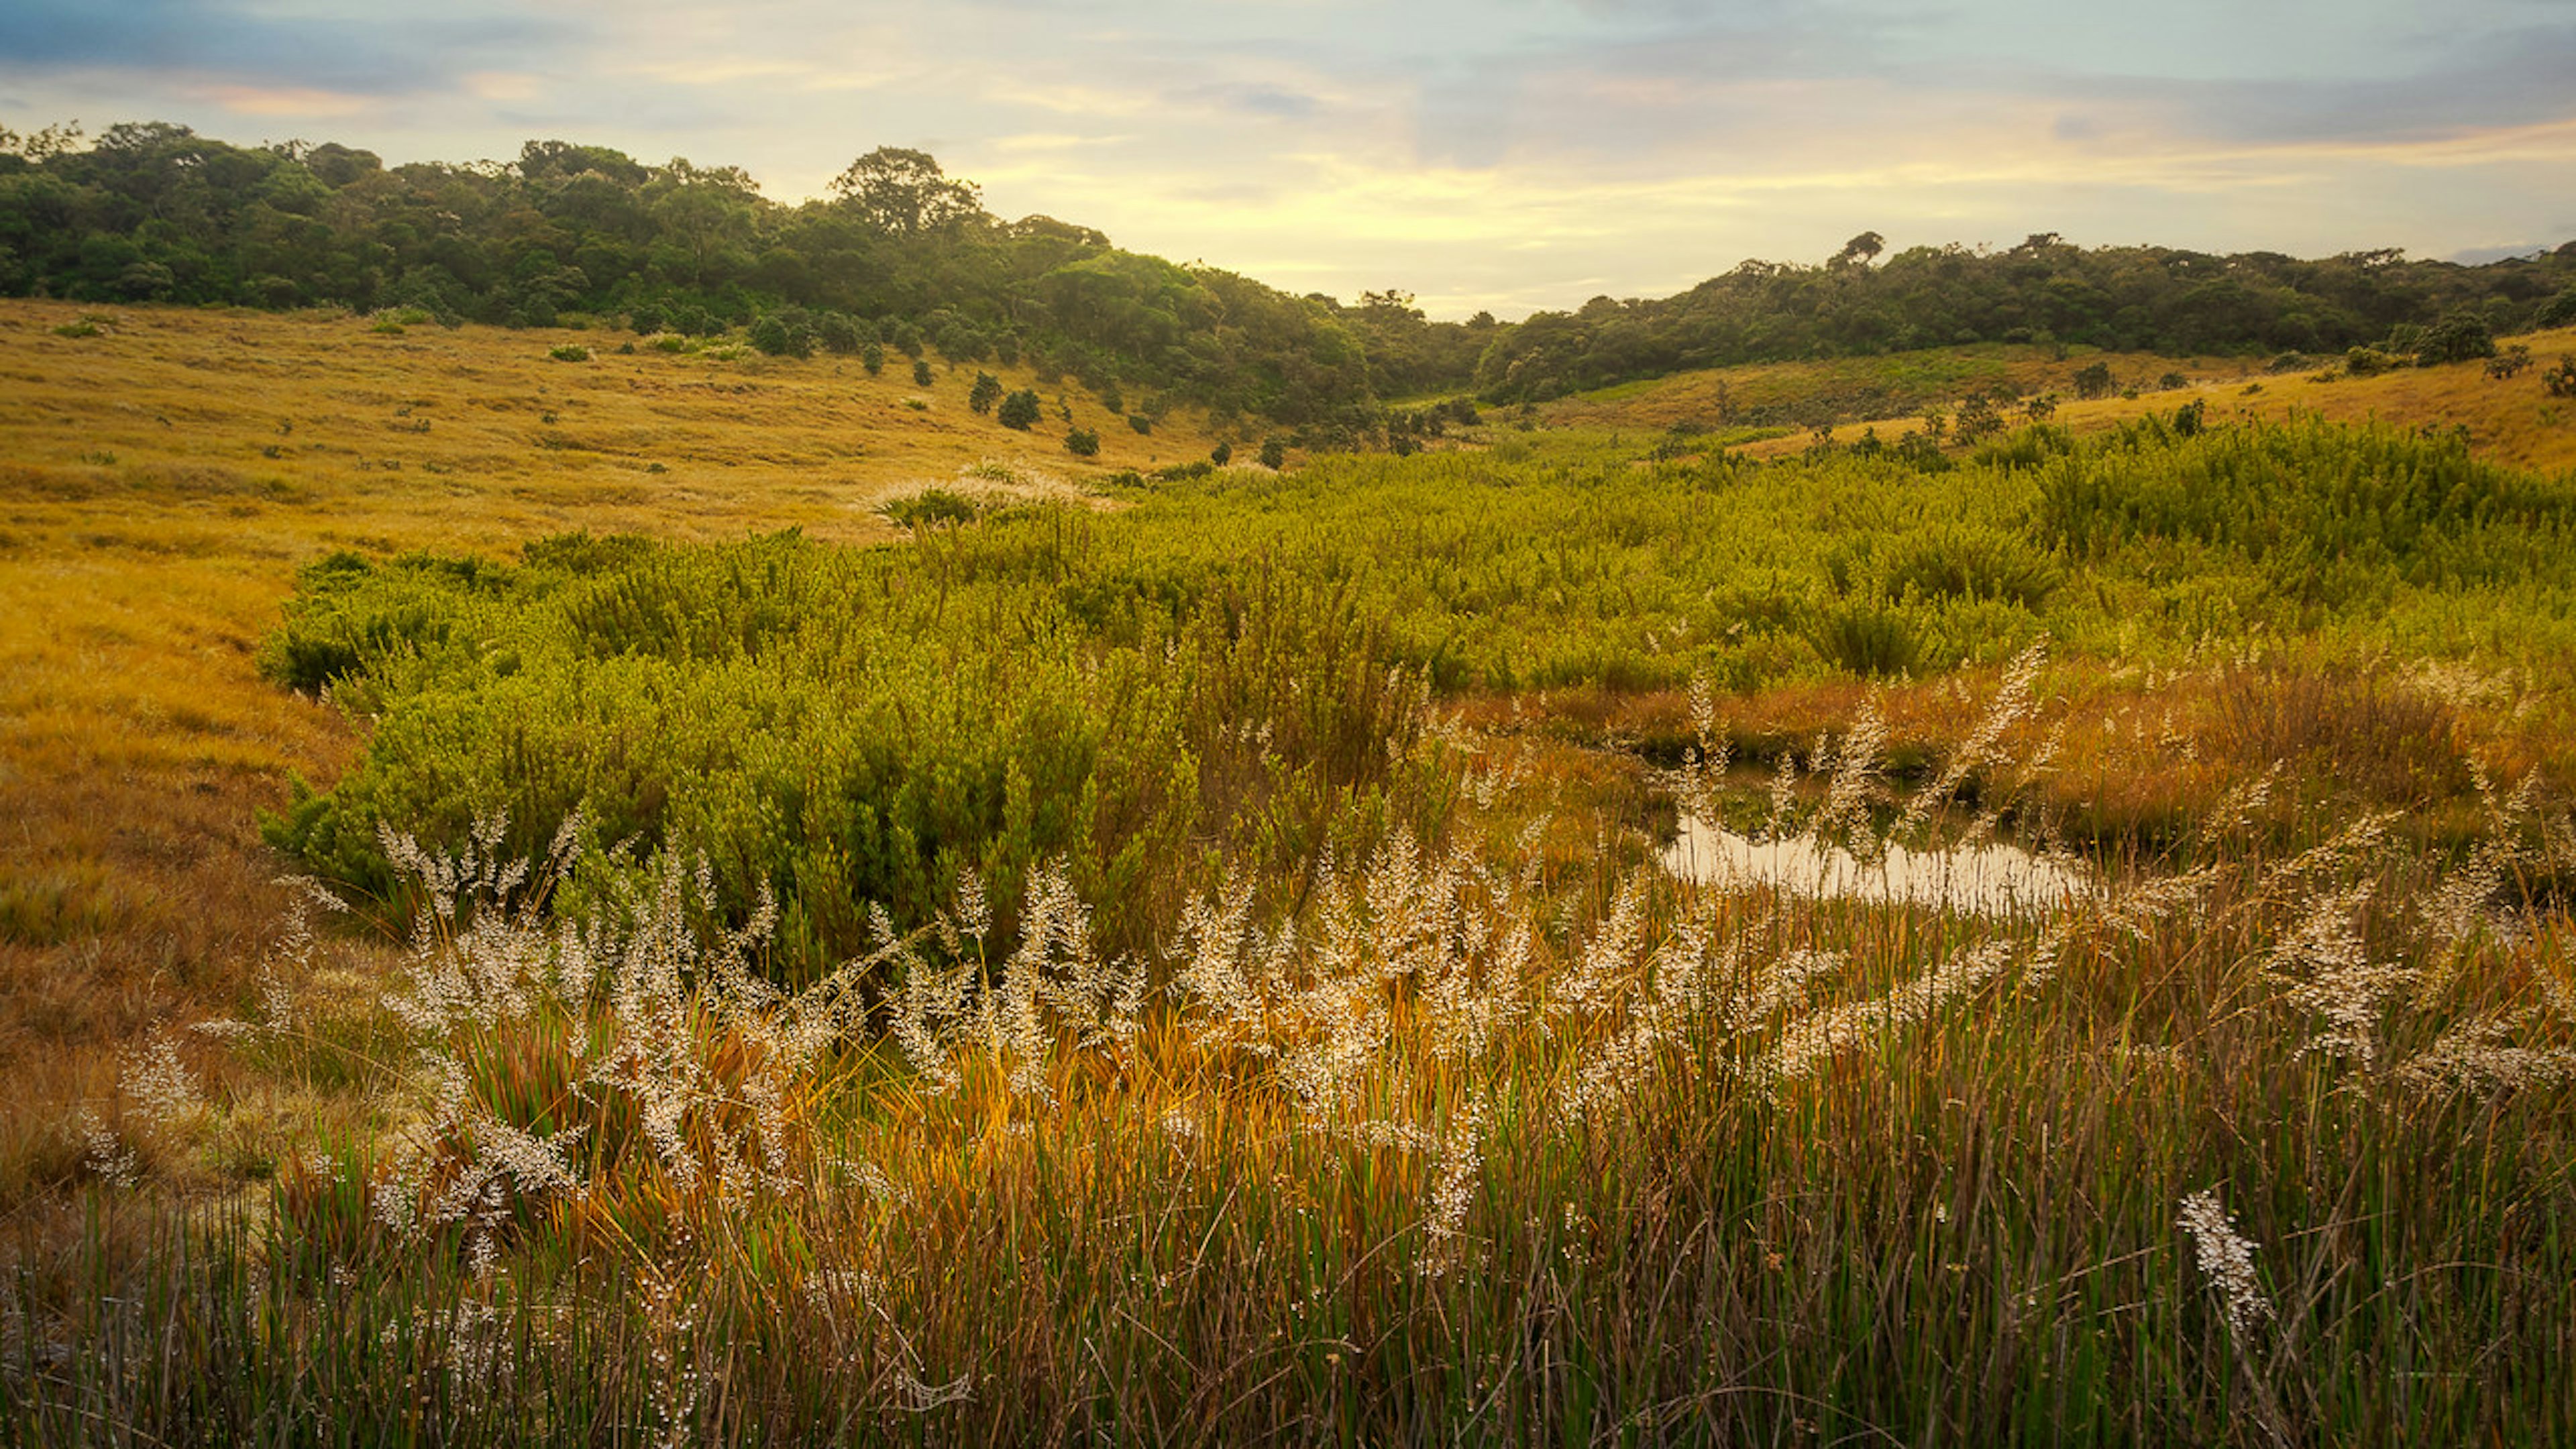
x: 1235, y: 669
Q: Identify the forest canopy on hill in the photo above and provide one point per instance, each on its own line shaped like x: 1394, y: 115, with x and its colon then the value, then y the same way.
x: 901, y: 256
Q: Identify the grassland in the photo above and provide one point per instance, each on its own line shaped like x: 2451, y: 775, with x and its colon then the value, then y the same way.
x: 1186, y: 959
x: 2512, y: 420
x: 162, y: 479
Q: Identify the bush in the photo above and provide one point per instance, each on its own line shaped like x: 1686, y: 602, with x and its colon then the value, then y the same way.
x: 2093, y: 381
x: 1140, y: 422
x: 1865, y: 638
x: 1082, y: 443
x: 2370, y: 361
x: 1978, y: 419
x: 2461, y: 337
x: 930, y: 507
x: 2560, y: 381
x: 723, y: 703
x: 1274, y: 453
x: 780, y: 336
x: 570, y: 352
x: 1020, y: 410
x: 1971, y: 563
x: 922, y: 376
x: 872, y: 357
x: 838, y: 334
x: 985, y: 393
x: 1221, y: 454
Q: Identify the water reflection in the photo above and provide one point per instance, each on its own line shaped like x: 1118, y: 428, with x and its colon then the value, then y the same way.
x: 1989, y: 880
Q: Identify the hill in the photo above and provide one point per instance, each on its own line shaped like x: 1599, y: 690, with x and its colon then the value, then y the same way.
x: 1767, y: 409
x: 2044, y: 292
x: 902, y: 258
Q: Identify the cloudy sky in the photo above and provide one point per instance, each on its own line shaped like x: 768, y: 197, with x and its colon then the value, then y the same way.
x: 1502, y: 154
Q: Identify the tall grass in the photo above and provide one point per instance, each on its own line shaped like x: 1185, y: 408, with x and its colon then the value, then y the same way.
x: 2272, y: 1151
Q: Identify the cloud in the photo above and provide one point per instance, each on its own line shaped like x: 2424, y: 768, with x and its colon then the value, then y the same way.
x: 1265, y: 101
x: 1482, y: 153
x: 223, y: 42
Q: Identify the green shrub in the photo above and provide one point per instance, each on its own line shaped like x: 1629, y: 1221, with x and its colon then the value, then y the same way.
x: 1082, y: 443
x: 2462, y: 336
x: 1970, y: 562
x: 1865, y: 638
x: 848, y: 728
x: 929, y: 508
x: 569, y: 352
x: 2423, y: 507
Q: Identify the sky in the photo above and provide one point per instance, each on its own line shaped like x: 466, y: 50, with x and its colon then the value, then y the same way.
x: 1502, y: 155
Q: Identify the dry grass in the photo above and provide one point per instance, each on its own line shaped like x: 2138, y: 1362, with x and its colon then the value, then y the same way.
x: 161, y: 481
x: 2193, y: 1158
x: 2512, y: 421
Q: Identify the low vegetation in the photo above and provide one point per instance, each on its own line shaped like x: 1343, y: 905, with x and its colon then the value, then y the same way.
x: 1187, y: 951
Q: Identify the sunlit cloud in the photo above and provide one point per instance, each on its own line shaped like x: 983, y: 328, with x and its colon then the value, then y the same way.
x: 244, y: 100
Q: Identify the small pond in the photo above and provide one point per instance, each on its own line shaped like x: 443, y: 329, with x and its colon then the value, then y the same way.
x: 1986, y: 880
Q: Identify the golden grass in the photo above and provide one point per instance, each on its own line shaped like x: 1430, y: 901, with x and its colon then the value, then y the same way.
x: 2510, y: 420
x: 161, y: 481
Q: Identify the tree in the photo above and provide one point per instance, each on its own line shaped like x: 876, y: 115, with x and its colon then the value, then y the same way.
x: 1020, y: 410
x: 1860, y: 250
x: 1274, y: 453
x: 781, y: 336
x: 564, y: 159
x: 837, y: 333
x: 921, y: 374
x: 1082, y: 443
x: 904, y: 193
x: 2094, y: 380
x: 1221, y: 454
x: 2462, y: 336
x: 986, y: 392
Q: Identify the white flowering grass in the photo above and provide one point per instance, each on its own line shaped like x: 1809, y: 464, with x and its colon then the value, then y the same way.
x: 1448, y: 1091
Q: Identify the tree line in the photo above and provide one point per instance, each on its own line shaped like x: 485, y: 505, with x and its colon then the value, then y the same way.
x: 2044, y: 291
x: 900, y: 256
